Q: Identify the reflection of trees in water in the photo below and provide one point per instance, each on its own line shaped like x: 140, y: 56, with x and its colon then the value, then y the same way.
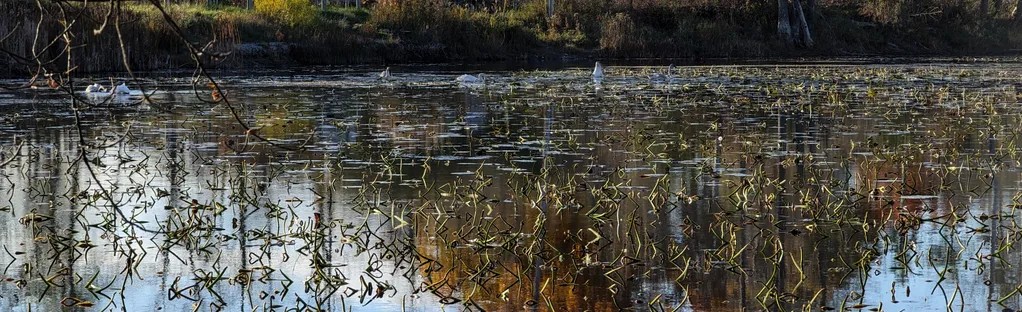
x: 611, y: 196
x: 425, y: 124
x: 571, y: 249
x: 783, y: 262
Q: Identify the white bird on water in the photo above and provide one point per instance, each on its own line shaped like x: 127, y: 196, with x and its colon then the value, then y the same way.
x: 385, y: 75
x: 665, y: 76
x: 122, y: 89
x: 95, y: 88
x: 466, y: 79
x: 598, y: 73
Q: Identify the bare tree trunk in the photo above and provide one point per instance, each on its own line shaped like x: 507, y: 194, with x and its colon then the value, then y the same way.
x: 805, y: 37
x: 784, y: 22
x: 984, y: 7
x: 550, y: 8
x: 811, y: 13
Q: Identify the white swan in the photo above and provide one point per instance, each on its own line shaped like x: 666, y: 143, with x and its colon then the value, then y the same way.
x: 95, y: 88
x: 471, y: 80
x: 385, y: 75
x: 665, y: 76
x: 598, y: 73
x: 122, y: 89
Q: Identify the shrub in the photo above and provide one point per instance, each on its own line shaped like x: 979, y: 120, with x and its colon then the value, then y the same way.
x: 348, y: 15
x: 411, y: 15
x: 291, y: 12
x: 618, y: 33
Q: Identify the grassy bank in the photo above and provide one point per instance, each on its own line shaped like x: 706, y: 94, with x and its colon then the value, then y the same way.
x: 296, y: 32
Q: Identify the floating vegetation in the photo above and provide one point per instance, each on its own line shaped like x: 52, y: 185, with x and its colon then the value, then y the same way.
x: 810, y: 188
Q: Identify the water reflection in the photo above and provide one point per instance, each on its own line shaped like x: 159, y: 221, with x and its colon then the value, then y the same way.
x: 750, y: 187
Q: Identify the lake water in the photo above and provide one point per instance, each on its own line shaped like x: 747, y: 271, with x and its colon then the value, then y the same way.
x: 763, y: 187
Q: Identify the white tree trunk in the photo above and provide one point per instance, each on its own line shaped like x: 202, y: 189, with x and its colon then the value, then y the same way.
x: 549, y: 8
x: 784, y: 22
x: 805, y: 36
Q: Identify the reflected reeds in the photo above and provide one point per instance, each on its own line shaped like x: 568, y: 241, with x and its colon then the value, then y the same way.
x: 726, y: 188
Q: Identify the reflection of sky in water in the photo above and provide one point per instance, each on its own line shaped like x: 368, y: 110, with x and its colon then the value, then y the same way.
x: 973, y: 280
x: 371, y: 140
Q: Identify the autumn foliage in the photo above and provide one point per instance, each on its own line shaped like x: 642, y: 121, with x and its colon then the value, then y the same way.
x: 290, y: 12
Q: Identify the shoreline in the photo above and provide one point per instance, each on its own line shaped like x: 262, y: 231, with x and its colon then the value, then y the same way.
x: 518, y: 65
x: 399, y: 34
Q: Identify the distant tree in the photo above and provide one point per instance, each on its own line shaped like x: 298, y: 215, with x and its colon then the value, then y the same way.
x: 800, y: 25
x: 784, y: 22
x: 792, y: 26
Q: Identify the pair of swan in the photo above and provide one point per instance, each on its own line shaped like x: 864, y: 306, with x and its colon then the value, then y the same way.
x: 465, y: 80
x: 119, y: 90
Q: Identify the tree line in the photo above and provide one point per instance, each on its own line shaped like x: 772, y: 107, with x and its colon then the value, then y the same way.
x: 795, y: 18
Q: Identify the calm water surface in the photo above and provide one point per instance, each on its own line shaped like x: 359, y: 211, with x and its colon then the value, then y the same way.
x: 788, y: 187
